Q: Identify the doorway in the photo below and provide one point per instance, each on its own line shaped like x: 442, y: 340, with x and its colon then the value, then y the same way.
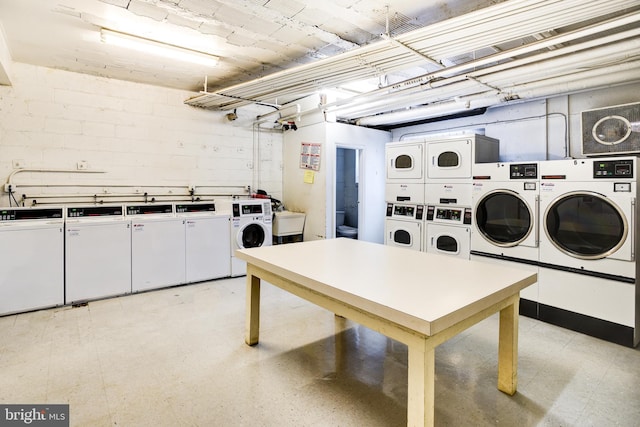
x: 347, y: 192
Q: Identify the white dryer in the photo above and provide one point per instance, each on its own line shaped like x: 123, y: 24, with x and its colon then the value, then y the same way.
x: 448, y: 230
x: 404, y: 226
x: 505, y: 229
x: 206, y: 234
x: 251, y: 226
x: 157, y: 247
x: 32, y: 253
x: 406, y: 172
x: 589, y: 240
x: 505, y: 205
x: 97, y: 253
x: 452, y: 158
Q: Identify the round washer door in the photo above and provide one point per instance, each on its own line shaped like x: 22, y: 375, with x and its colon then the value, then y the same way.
x: 585, y: 225
x: 251, y: 236
x: 504, y: 218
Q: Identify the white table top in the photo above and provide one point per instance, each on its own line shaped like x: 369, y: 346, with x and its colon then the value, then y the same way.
x: 421, y: 291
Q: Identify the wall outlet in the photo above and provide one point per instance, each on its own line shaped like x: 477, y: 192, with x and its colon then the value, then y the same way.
x: 82, y: 165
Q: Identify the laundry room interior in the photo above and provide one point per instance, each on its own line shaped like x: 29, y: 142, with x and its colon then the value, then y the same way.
x: 151, y: 206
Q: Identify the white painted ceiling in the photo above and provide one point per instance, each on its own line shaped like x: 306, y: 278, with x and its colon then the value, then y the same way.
x: 466, y: 54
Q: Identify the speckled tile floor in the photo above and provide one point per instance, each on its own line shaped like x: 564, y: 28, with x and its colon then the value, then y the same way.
x: 176, y: 357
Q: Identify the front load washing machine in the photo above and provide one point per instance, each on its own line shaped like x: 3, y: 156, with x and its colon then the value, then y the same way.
x: 588, y: 245
x: 403, y: 226
x: 206, y: 235
x: 157, y: 247
x: 447, y: 230
x: 32, y: 253
x: 251, y: 226
x: 506, y: 199
x: 505, y: 203
x: 97, y: 253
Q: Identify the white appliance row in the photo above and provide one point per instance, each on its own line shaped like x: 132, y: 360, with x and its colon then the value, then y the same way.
x: 574, y: 222
x: 64, y: 255
x: 413, y: 166
x: 442, y: 229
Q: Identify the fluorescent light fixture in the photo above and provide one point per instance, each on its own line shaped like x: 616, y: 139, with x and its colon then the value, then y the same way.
x: 157, y: 48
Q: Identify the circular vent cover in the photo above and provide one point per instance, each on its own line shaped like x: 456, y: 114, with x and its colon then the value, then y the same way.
x: 611, y: 130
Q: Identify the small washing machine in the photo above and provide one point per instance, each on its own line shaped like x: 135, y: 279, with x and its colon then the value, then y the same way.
x: 452, y: 158
x: 448, y: 230
x: 251, y: 226
x: 32, y: 253
x: 97, y: 253
x: 404, y: 226
x: 206, y: 241
x: 406, y: 172
x: 157, y: 246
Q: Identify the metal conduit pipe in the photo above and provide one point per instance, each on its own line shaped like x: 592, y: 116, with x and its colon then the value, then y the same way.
x: 561, y: 85
x: 511, y: 18
x: 505, y: 74
x: 627, y: 72
x: 433, y: 92
x: 464, y: 43
x: 279, y: 111
x: 558, y: 67
x: 511, y: 22
x: 433, y: 110
x: 421, y: 80
x: 40, y: 170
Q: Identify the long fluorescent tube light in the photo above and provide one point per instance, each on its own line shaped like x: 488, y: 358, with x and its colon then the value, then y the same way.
x: 157, y: 48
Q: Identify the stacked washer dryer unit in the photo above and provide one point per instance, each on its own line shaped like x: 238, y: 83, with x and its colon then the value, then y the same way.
x: 251, y: 226
x: 505, y: 228
x: 588, y: 247
x: 450, y: 163
x: 404, y: 193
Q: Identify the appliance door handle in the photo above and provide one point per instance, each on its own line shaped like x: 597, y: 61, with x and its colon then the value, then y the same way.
x: 537, y: 224
x: 632, y: 231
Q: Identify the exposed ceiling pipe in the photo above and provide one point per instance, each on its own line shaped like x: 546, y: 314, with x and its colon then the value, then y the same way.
x: 577, y: 82
x: 418, y: 82
x: 502, y: 74
x: 493, y: 25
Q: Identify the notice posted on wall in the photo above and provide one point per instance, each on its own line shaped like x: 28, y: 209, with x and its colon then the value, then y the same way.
x: 310, y: 156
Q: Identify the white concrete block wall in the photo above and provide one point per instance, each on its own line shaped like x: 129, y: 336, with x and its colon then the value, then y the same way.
x: 139, y: 135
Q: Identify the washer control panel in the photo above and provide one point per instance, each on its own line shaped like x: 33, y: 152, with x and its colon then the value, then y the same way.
x: 622, y: 168
x: 523, y: 171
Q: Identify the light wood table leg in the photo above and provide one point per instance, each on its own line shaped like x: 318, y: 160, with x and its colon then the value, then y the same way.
x: 421, y: 384
x: 252, y: 321
x: 508, y: 348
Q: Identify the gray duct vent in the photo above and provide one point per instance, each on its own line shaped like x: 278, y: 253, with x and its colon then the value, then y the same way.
x: 611, y: 130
